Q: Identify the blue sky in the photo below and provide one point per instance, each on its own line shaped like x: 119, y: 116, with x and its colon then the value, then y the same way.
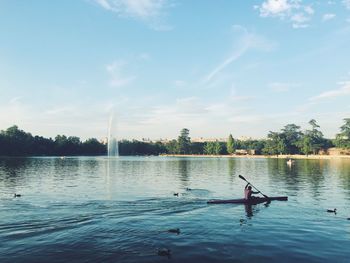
x: 215, y: 67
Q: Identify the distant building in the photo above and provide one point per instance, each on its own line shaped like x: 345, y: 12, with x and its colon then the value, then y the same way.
x: 104, y: 141
x: 163, y: 140
x: 202, y: 139
x: 245, y: 152
x: 245, y: 138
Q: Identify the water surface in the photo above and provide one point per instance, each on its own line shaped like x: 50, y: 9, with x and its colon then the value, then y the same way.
x: 87, y: 209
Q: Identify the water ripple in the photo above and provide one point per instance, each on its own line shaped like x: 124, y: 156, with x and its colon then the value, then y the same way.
x: 89, y: 210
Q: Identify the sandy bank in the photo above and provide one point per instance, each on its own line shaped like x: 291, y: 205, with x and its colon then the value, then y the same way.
x: 295, y: 156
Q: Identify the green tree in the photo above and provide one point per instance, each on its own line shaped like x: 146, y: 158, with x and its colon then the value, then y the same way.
x: 184, y: 142
x: 306, y: 145
x: 230, y: 145
x: 159, y: 148
x: 209, y: 148
x: 274, y: 144
x: 68, y: 145
x: 269, y: 148
x: 197, y: 147
x: 171, y: 147
x: 291, y: 135
x: 281, y: 146
x: 17, y: 142
x: 314, y: 138
x: 343, y: 138
x: 257, y: 146
x: 93, y: 147
x: 43, y: 146
x: 217, y: 148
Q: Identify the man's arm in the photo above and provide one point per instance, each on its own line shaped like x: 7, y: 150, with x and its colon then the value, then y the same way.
x: 246, y: 186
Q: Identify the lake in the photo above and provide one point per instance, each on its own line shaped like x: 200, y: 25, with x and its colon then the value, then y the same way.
x: 95, y: 209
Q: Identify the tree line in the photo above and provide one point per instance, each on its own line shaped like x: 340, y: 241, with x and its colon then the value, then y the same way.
x: 289, y: 140
x: 16, y: 142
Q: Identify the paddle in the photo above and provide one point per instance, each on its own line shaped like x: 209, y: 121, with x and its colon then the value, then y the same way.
x: 241, y: 176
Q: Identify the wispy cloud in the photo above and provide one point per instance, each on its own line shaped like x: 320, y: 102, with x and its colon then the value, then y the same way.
x: 234, y: 56
x: 145, y: 56
x: 60, y: 117
x: 282, y: 86
x: 278, y: 8
x: 290, y: 10
x: 180, y: 83
x: 342, y: 91
x: 327, y: 17
x: 309, y: 10
x: 118, y: 79
x: 13, y: 112
x: 241, y: 98
x: 346, y: 3
x: 15, y: 100
x: 151, y: 12
x: 247, y: 118
x: 234, y: 96
x: 193, y: 111
x: 187, y: 111
x: 247, y: 40
x: 61, y: 110
x: 190, y: 105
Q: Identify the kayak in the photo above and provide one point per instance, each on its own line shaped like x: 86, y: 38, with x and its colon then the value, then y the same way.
x: 255, y: 200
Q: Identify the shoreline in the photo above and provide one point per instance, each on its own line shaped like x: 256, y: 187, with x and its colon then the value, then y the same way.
x: 282, y: 156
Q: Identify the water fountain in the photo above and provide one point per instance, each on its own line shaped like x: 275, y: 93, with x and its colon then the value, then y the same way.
x: 112, y: 153
x: 112, y: 143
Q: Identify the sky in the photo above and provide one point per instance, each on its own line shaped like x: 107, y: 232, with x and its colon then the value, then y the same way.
x: 215, y: 67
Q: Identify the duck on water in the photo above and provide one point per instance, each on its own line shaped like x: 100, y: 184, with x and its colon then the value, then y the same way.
x: 332, y: 211
x: 290, y: 161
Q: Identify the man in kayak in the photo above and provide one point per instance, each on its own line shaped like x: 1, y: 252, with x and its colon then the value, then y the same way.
x: 248, y: 192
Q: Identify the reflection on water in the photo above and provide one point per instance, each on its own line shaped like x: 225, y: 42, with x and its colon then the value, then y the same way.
x: 90, y: 209
x: 301, y: 173
x: 316, y: 175
x: 252, y: 210
x: 12, y: 171
x: 249, y: 210
x: 183, y: 172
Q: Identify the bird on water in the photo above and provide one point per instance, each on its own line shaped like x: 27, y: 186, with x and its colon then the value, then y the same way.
x: 332, y: 211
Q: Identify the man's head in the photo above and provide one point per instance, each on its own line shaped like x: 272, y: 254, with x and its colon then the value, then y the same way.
x: 249, y: 187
